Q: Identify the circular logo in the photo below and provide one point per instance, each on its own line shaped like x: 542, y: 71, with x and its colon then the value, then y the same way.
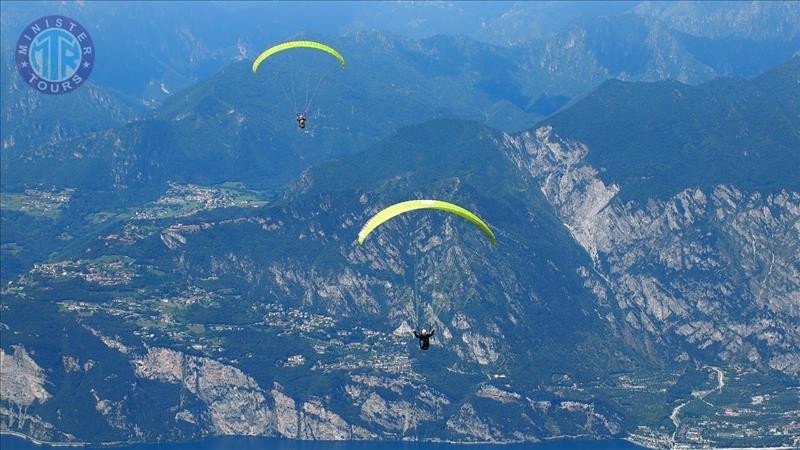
x: 55, y: 55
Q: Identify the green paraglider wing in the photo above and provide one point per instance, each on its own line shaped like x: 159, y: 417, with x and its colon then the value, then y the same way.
x: 296, y: 44
x: 411, y: 205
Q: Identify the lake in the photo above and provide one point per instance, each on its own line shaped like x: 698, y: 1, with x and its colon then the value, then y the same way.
x: 245, y: 443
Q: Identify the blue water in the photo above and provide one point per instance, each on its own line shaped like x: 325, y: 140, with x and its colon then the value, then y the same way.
x: 244, y: 443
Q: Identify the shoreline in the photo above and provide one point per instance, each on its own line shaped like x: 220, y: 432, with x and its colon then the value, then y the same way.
x: 35, y: 441
x: 39, y: 442
x: 631, y: 438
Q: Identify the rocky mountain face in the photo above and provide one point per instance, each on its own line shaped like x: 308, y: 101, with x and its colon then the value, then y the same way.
x: 734, y: 251
x: 761, y: 21
x: 29, y: 121
x: 716, y: 269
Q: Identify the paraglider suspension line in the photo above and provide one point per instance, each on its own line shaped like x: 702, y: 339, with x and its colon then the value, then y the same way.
x: 294, y: 95
x: 308, y: 89
x: 415, y: 295
x: 447, y: 277
x: 310, y: 101
x: 289, y: 98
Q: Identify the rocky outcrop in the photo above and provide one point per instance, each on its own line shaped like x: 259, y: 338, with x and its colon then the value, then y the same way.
x: 16, y: 419
x: 714, y: 269
x: 286, y: 415
x: 468, y: 424
x: 173, y: 237
x: 21, y: 379
x: 481, y: 349
x: 397, y: 416
x: 22, y: 385
x: 236, y: 404
x: 319, y: 423
x: 396, y: 407
x: 497, y: 394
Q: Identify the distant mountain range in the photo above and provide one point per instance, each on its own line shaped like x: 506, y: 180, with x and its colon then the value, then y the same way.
x: 539, y: 55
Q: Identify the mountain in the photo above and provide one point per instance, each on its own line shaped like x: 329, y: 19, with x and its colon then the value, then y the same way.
x: 151, y: 52
x: 591, y: 50
x: 691, y: 223
x: 242, y: 124
x: 669, y: 318
x: 656, y: 139
x: 253, y: 275
x: 500, y: 23
x: 754, y: 20
x: 30, y: 119
x: 514, y: 85
x: 155, y: 50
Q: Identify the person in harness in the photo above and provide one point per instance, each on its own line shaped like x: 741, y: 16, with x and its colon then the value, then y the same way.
x: 424, y: 338
x: 301, y: 120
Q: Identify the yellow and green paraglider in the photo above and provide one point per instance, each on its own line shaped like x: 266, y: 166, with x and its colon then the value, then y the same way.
x: 297, y: 44
x: 412, y: 205
x: 397, y: 209
x: 309, y: 96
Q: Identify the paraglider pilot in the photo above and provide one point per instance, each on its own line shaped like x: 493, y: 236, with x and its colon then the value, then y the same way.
x: 424, y: 338
x: 301, y: 120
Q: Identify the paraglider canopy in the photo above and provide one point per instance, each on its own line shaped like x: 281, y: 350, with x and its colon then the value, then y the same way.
x: 411, y: 205
x: 395, y: 210
x: 297, y: 44
x: 310, y: 90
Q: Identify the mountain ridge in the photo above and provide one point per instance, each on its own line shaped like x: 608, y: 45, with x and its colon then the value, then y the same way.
x: 670, y: 112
